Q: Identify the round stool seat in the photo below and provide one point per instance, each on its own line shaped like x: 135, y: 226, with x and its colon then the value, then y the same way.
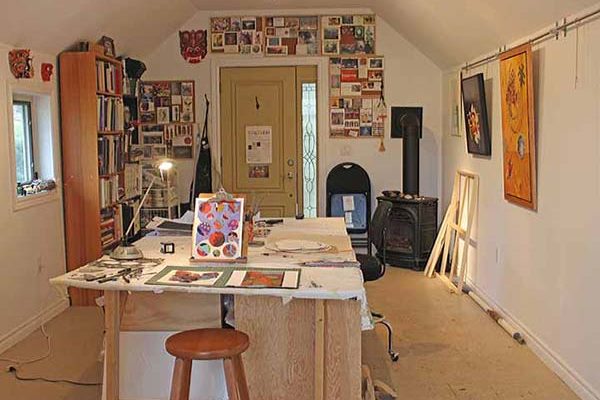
x: 207, y: 344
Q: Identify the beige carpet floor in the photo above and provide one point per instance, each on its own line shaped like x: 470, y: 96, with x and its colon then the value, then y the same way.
x: 449, y: 349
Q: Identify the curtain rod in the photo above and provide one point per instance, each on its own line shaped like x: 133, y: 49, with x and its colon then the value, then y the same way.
x: 538, y: 39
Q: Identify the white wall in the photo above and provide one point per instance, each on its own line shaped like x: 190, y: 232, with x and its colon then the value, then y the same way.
x: 410, y: 80
x: 541, y: 268
x: 31, y: 239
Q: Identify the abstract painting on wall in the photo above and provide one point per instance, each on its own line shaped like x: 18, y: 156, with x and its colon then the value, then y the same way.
x: 518, y: 126
x: 476, y: 118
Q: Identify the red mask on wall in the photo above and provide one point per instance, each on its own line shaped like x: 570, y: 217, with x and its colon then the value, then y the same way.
x: 193, y: 45
x: 47, y: 69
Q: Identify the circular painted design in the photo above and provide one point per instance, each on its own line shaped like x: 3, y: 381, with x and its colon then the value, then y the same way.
x: 216, y: 239
x: 233, y: 224
x: 229, y: 250
x: 232, y: 237
x: 205, y: 208
x: 216, y: 253
x: 521, y: 147
x: 203, y: 249
x: 218, y: 224
x: 203, y: 229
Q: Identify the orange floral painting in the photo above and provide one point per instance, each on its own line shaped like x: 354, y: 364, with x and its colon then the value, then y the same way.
x: 518, y: 136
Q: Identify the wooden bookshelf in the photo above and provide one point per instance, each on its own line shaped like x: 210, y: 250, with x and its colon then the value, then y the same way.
x: 79, y: 126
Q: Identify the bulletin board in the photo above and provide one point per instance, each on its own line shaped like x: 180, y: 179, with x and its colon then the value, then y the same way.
x: 236, y: 35
x: 348, y: 34
x: 355, y: 92
x: 167, y: 116
x: 292, y: 35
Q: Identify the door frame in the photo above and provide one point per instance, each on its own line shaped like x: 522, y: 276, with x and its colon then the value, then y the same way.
x: 218, y: 62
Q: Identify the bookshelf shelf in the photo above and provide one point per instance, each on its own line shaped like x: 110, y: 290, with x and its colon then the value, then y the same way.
x: 110, y: 132
x: 109, y: 94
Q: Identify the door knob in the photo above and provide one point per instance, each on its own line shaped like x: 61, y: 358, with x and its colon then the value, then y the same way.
x: 290, y: 162
x: 290, y: 175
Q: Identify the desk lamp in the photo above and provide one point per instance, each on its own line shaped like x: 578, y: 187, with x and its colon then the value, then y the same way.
x: 126, y: 251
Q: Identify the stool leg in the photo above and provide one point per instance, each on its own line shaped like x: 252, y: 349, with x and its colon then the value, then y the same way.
x: 180, y: 385
x: 231, y: 379
x: 241, y: 377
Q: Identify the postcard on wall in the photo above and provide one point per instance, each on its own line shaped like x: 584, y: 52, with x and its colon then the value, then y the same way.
x: 236, y: 35
x: 348, y: 34
x: 165, y: 102
x: 258, y: 278
x: 292, y: 35
x: 218, y: 229
x: 258, y: 144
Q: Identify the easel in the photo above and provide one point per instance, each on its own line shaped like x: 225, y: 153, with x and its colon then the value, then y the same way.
x: 463, y: 204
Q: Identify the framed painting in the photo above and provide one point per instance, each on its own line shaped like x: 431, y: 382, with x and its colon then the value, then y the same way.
x: 476, y: 118
x: 518, y: 126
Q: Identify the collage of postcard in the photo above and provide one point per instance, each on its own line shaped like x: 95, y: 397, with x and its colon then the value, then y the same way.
x: 243, y: 35
x: 166, y: 110
x: 292, y: 36
x: 355, y: 89
x: 348, y: 34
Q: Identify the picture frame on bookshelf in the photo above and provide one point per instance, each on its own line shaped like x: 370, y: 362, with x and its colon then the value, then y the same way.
x: 109, y: 46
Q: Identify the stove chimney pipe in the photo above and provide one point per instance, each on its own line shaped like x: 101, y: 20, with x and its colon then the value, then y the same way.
x: 411, y: 131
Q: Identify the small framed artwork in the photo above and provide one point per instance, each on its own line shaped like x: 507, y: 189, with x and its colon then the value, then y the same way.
x: 476, y: 118
x: 109, y: 46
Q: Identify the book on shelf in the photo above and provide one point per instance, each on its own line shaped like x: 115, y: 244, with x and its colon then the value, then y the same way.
x: 111, y: 155
x: 108, y: 77
x: 132, y: 180
x: 110, y: 193
x: 110, y: 113
x: 110, y: 226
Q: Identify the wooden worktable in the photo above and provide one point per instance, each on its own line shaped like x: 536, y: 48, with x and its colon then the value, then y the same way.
x: 305, y: 342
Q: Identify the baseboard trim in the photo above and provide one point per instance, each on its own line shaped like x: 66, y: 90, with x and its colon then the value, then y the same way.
x: 26, y: 328
x: 552, y: 360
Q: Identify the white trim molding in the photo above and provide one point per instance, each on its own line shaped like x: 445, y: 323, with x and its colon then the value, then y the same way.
x: 28, y: 327
x: 565, y: 372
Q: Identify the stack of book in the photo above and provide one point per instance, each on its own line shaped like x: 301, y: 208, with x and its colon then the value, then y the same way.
x: 110, y: 227
x: 107, y: 77
x: 110, y: 114
x: 109, y: 191
x: 111, y: 157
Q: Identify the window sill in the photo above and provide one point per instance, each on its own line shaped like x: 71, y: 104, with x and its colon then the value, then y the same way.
x: 33, y: 200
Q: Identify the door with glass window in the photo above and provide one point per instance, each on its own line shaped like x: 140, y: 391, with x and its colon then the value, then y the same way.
x: 262, y: 136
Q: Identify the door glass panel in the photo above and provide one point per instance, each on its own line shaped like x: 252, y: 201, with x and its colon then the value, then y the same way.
x: 309, y: 148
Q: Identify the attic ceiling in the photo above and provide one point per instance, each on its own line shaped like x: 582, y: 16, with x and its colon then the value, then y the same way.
x: 449, y: 32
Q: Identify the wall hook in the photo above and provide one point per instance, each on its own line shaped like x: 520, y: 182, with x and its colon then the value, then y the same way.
x: 257, y: 103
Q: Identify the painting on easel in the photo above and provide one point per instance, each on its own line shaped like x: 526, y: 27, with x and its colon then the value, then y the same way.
x: 518, y: 125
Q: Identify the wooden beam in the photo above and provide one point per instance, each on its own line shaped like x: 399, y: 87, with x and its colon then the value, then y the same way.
x: 111, y: 353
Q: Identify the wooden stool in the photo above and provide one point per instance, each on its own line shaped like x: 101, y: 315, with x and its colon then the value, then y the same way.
x: 208, y: 344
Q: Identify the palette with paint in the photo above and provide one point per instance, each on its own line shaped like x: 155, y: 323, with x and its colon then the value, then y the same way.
x: 218, y: 229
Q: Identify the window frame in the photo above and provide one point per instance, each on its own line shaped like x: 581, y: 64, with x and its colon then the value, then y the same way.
x: 27, y: 104
x: 38, y: 93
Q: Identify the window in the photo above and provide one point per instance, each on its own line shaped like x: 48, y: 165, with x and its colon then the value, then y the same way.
x: 23, y: 137
x: 309, y: 148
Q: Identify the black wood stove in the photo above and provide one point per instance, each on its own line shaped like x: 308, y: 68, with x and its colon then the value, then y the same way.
x: 411, y: 229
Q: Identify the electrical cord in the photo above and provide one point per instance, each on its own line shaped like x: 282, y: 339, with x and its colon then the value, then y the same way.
x: 16, y: 364
x: 13, y: 370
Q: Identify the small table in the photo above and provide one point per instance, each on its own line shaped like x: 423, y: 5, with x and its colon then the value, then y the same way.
x: 305, y: 343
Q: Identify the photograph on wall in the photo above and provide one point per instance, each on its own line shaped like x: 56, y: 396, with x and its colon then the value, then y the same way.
x: 236, y: 35
x: 165, y: 102
x: 476, y: 117
x: 518, y: 133
x: 348, y: 34
x: 292, y: 35
x: 218, y: 228
x: 355, y: 89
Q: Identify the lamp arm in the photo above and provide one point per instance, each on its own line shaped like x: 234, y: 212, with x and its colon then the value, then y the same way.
x: 137, y: 212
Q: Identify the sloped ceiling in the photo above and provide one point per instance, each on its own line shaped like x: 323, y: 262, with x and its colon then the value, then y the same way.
x: 449, y: 32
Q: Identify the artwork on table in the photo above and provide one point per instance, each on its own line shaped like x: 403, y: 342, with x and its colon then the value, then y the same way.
x: 233, y: 277
x: 192, y: 45
x: 355, y: 96
x: 476, y: 117
x: 292, y: 35
x: 405, y: 118
x: 157, y: 97
x: 236, y: 35
x: 47, y: 70
x: 21, y: 63
x: 518, y: 135
x: 348, y: 34
x: 218, y: 229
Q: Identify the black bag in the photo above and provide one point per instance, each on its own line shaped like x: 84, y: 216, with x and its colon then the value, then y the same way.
x: 202, y: 182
